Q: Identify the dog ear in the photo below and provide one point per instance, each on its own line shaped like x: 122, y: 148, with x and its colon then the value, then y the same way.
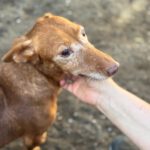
x: 22, y: 51
x: 48, y: 15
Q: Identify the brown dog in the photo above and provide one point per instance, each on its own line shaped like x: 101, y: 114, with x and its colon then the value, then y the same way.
x: 55, y: 48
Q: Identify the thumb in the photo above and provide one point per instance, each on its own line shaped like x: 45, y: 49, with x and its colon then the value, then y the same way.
x: 71, y: 87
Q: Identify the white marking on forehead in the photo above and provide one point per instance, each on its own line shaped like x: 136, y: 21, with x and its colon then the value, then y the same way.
x: 82, y: 28
x: 76, y: 46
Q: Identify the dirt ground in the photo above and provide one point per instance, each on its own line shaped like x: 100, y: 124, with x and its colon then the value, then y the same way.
x: 118, y: 27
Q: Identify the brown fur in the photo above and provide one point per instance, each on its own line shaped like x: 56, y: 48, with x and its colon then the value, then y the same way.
x: 52, y: 50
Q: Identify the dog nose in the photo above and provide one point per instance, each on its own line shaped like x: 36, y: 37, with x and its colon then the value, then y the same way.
x: 112, y: 70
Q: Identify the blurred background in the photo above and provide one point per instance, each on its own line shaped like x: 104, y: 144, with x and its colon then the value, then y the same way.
x: 120, y: 28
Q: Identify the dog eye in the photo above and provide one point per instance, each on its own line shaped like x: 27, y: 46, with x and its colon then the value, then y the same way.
x: 66, y: 52
x: 83, y: 34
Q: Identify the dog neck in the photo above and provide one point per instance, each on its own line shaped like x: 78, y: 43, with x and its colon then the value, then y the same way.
x: 51, y: 71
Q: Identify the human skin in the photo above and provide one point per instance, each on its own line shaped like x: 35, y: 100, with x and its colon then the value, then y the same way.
x: 128, y: 112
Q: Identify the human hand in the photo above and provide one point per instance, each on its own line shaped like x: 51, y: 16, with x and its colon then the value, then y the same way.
x: 84, y: 89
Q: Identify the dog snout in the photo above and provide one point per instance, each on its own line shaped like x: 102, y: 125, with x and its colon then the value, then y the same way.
x: 113, y: 69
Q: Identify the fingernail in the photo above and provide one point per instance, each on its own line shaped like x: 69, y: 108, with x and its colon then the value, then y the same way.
x: 62, y: 82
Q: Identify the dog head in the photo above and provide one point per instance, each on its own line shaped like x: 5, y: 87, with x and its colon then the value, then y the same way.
x: 58, y: 41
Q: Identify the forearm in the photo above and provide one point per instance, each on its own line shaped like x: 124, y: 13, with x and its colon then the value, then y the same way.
x: 128, y: 112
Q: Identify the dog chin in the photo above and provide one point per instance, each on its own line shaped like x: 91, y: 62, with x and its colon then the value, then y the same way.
x: 90, y: 76
x: 94, y: 76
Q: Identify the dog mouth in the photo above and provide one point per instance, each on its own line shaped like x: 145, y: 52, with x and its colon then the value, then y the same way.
x: 69, y: 79
x: 93, y: 76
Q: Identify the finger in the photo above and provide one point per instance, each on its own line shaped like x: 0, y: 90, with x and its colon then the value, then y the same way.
x: 62, y: 83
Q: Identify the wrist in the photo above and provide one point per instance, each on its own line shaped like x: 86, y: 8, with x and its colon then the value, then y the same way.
x: 109, y: 100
